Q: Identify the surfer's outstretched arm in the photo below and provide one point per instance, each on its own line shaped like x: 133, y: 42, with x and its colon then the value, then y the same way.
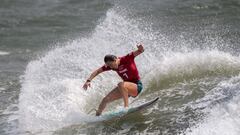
x: 139, y: 50
x: 94, y: 74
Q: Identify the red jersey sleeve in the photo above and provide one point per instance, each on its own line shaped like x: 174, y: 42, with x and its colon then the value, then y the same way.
x: 105, y: 68
x: 128, y: 57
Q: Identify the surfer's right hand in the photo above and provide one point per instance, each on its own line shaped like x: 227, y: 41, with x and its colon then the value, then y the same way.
x: 86, y: 85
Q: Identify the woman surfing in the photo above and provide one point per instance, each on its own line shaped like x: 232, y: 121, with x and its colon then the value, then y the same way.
x: 126, y: 68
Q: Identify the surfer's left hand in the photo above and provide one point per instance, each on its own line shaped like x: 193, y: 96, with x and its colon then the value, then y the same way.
x: 140, y: 47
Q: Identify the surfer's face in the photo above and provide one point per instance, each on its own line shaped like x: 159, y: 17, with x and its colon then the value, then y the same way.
x: 112, y: 64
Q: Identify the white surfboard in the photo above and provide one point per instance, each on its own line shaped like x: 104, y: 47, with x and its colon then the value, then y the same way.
x: 121, y: 113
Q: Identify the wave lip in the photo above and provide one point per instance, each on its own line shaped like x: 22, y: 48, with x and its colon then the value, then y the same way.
x: 179, y: 67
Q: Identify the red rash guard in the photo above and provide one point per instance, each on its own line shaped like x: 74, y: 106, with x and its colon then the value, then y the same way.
x: 127, y: 69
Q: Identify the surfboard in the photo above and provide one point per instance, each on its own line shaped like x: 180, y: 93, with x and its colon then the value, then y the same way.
x: 124, y: 112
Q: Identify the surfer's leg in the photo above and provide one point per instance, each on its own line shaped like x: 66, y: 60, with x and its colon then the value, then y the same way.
x: 127, y: 88
x: 113, y: 95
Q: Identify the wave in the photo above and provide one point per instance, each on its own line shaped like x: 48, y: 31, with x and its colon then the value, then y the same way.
x: 52, y: 85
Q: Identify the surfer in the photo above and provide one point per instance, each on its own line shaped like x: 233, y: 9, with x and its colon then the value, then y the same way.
x: 126, y: 68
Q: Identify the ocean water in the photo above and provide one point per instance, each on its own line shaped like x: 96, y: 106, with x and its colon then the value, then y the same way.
x: 191, y: 61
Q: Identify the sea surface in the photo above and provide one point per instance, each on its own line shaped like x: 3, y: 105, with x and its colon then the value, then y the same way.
x: 48, y: 48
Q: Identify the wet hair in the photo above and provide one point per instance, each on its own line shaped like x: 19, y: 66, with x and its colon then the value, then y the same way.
x: 109, y: 58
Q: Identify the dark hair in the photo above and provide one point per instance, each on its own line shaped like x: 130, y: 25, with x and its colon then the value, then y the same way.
x: 110, y: 58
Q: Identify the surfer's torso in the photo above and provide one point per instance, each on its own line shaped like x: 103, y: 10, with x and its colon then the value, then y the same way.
x: 127, y: 69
